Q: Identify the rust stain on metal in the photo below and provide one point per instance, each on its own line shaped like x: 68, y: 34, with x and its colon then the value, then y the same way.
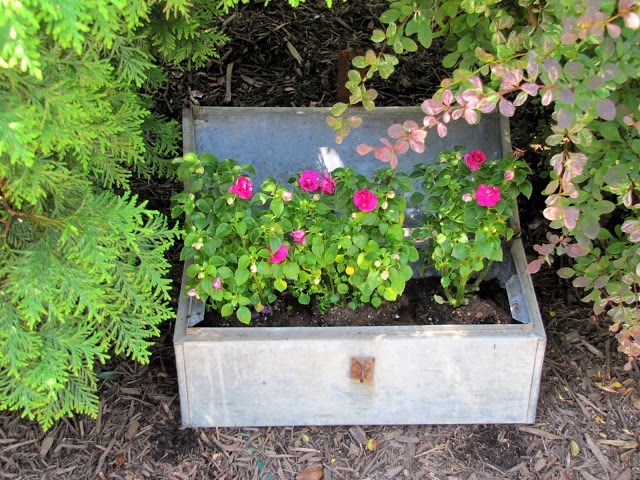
x: 362, y: 368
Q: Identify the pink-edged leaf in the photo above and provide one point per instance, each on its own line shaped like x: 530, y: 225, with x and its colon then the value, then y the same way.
x: 582, y: 282
x: 553, y: 199
x: 553, y: 69
x: 476, y: 82
x: 534, y: 267
x: 446, y: 117
x: 530, y: 88
x: 416, y: 140
x: 469, y: 97
x: 447, y: 97
x: 552, y: 213
x: 573, y: 69
x: 632, y: 20
x: 626, y: 4
x: 630, y: 225
x: 432, y: 106
x: 546, y: 249
x: 533, y: 69
x: 457, y: 113
x: 396, y: 131
x: 565, y: 95
x: 609, y: 71
x: 606, y: 109
x: 520, y: 98
x: 576, y: 162
x: 471, y: 116
x: 510, y: 81
x: 402, y: 147
x: 547, y: 97
x: 574, y: 250
x: 354, y: 121
x: 363, y: 149
x: 410, y: 125
x: 613, y: 30
x: 570, y: 216
x: 506, y: 108
x: 430, y: 121
x: 384, y: 154
x: 565, y: 117
x: 557, y: 162
x: 442, y: 130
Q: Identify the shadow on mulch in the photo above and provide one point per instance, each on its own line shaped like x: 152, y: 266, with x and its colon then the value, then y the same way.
x: 588, y: 420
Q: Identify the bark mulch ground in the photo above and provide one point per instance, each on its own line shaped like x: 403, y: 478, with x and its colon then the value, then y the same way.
x: 588, y: 420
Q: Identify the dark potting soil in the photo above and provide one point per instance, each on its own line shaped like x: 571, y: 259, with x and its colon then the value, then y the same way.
x: 416, y: 306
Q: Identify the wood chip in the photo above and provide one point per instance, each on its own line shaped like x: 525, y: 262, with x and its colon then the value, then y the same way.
x: 598, y: 453
x: 294, y: 53
x: 540, y: 433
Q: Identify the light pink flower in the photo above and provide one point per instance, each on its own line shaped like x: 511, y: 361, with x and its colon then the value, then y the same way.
x: 217, y: 283
x: 243, y: 188
x: 474, y: 159
x: 327, y: 184
x: 309, y: 180
x: 287, y: 195
x: 509, y: 175
x: 365, y: 200
x: 467, y: 197
x: 299, y: 236
x: 487, y: 196
x: 192, y: 292
x: 280, y: 255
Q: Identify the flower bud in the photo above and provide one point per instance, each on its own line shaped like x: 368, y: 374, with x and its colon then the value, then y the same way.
x: 253, y: 268
x: 192, y: 293
x: 230, y: 200
x: 316, y: 281
x: 385, y: 275
x: 509, y: 175
x: 467, y: 197
x: 287, y: 195
x: 200, y: 275
x: 200, y: 170
x: 377, y: 263
x: 198, y: 244
x: 217, y: 283
x: 384, y: 205
x: 191, y: 197
x: 391, y: 194
x: 316, y: 197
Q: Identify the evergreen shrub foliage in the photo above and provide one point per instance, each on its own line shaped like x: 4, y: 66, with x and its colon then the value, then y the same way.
x: 581, y: 59
x: 82, y: 268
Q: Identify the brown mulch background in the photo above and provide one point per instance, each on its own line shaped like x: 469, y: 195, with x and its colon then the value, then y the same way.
x: 588, y: 421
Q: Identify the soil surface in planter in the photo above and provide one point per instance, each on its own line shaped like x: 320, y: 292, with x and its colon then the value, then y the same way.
x: 416, y: 306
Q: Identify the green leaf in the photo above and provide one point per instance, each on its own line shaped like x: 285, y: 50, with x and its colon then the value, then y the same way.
x: 338, y: 109
x: 244, y: 315
x: 242, y: 276
x: 450, y: 60
x: 389, y: 16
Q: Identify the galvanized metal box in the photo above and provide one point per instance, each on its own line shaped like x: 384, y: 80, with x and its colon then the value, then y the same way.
x: 352, y: 375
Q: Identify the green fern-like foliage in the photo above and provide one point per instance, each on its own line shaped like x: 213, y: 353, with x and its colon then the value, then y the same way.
x: 83, y: 268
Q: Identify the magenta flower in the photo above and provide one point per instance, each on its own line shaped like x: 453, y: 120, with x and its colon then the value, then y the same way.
x: 242, y: 188
x: 280, y: 255
x: 327, y: 184
x: 365, y: 200
x: 474, y: 159
x: 487, y: 196
x: 509, y: 175
x: 217, y: 283
x: 309, y: 180
x: 299, y: 236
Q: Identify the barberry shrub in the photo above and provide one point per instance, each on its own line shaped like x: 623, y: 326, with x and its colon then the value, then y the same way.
x: 82, y: 264
x: 580, y: 60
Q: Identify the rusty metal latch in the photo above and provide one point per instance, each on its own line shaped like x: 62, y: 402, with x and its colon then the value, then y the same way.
x: 362, y: 368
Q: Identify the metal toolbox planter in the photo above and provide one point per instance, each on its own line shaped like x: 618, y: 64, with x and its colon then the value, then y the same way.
x: 352, y: 375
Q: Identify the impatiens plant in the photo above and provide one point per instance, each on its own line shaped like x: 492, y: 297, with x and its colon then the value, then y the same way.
x: 467, y: 203
x: 336, y: 238
x: 580, y: 60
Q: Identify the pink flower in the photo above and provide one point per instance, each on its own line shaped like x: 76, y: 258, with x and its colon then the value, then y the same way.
x: 280, y: 255
x: 365, y: 200
x: 243, y: 188
x: 217, y: 283
x: 309, y: 180
x: 327, y: 184
x: 467, y: 197
x: 192, y: 292
x: 487, y: 196
x: 474, y: 159
x: 299, y: 236
x: 287, y: 195
x: 509, y: 175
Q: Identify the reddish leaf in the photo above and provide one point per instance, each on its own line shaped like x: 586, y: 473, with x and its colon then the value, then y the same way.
x: 432, y: 106
x: 396, y: 131
x: 363, y: 149
x: 506, y: 108
x: 442, y: 130
x: 312, y: 472
x: 606, y: 109
x: 530, y: 88
x: 534, y: 267
x: 547, y: 97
